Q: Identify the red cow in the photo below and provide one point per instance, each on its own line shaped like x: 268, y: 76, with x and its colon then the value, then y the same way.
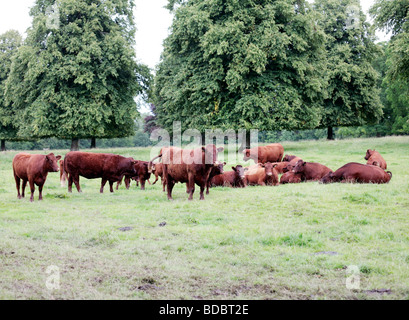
x: 235, y: 178
x: 374, y: 158
x: 216, y: 171
x: 289, y: 158
x: 290, y: 177
x: 262, y: 175
x: 142, y: 175
x: 188, y: 166
x: 108, y: 167
x: 33, y: 168
x: 270, y: 153
x: 311, y: 171
x: 281, y: 166
x: 358, y: 172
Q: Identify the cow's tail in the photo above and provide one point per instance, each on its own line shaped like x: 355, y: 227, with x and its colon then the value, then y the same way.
x: 390, y: 174
x: 63, y: 174
x: 151, y: 162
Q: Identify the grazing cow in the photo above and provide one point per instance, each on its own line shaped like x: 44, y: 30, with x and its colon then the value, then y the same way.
x: 262, y: 175
x: 234, y: 179
x: 290, y: 177
x: 108, y: 167
x: 141, y: 175
x: 188, y: 166
x: 374, y: 158
x: 270, y: 153
x: 63, y: 174
x: 359, y: 173
x: 33, y: 168
x: 311, y: 171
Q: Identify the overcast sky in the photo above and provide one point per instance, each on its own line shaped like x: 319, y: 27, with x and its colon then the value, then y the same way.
x: 153, y: 22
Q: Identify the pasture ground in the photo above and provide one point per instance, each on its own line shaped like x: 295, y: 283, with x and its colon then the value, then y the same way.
x: 287, y: 242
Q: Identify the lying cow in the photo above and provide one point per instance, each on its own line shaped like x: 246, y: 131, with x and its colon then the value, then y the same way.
x: 359, y: 173
x: 33, y: 168
x: 188, y: 166
x: 234, y: 179
x: 290, y: 177
x: 288, y: 158
x: 270, y: 153
x: 108, y: 167
x: 374, y: 158
x: 262, y: 175
x: 311, y: 171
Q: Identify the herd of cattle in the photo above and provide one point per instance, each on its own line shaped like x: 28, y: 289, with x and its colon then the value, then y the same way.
x: 193, y: 167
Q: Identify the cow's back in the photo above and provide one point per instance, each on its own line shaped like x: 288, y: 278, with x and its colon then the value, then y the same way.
x: 271, y: 153
x: 26, y: 165
x: 88, y: 165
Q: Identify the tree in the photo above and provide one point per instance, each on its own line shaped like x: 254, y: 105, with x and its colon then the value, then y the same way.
x: 241, y: 64
x: 76, y: 75
x: 9, y: 43
x: 352, y: 92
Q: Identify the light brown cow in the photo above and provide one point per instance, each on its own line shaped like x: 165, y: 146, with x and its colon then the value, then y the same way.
x: 33, y: 168
x: 270, y: 153
x: 375, y: 158
x: 262, y: 174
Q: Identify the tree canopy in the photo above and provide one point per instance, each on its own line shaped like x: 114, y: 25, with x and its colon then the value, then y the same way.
x: 241, y: 64
x: 76, y: 75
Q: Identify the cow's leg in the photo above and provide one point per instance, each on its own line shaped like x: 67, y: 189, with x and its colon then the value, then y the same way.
x: 207, y: 187
x: 76, y: 180
x: 156, y: 179
x: 111, y: 184
x: 70, y: 181
x: 191, y: 186
x: 127, y: 182
x: 142, y: 184
x: 202, y: 188
x: 40, y: 192
x: 32, y: 189
x: 163, y: 184
x: 103, y: 182
x: 170, y: 184
x: 18, y: 186
x: 118, y: 183
x: 23, y: 188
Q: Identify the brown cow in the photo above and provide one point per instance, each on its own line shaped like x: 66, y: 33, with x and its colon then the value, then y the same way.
x: 311, y: 171
x: 157, y: 170
x: 289, y: 158
x: 374, y: 158
x: 141, y: 175
x: 108, y: 167
x: 216, y: 171
x: 188, y: 166
x: 262, y: 175
x: 358, y: 172
x: 270, y: 153
x: 33, y: 168
x: 234, y: 179
x: 290, y: 177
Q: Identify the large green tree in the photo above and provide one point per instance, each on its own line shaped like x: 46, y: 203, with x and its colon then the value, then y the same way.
x: 9, y: 43
x: 76, y: 75
x: 241, y: 64
x: 352, y: 92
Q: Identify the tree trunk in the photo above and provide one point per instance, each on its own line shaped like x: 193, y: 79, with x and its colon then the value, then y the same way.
x: 93, y: 143
x: 3, y: 145
x: 330, y: 135
x: 203, y: 138
x: 75, y: 144
x: 246, y: 143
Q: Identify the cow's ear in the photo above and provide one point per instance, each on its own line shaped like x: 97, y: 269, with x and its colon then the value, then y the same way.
x: 304, y: 163
x: 58, y: 157
x: 220, y: 149
x: 135, y: 162
x: 234, y: 168
x: 204, y: 149
x: 274, y: 165
x: 261, y: 165
x: 224, y: 163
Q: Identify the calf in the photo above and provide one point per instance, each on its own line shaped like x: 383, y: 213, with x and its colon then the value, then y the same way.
x: 157, y: 170
x: 33, y: 168
x: 290, y: 177
x: 262, y: 175
x: 374, y: 158
x: 63, y: 174
x: 311, y: 171
x: 270, y: 153
x: 141, y: 175
x: 359, y: 173
x: 235, y: 178
x: 108, y: 167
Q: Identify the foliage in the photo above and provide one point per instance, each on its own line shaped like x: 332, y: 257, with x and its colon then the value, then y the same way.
x: 76, y: 75
x: 241, y: 64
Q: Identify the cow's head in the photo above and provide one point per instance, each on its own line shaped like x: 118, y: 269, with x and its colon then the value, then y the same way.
x: 269, y: 167
x: 51, y: 162
x: 218, y: 167
x: 288, y: 158
x: 239, y: 170
x: 130, y: 166
x: 246, y: 154
x: 369, y: 153
x: 328, y: 178
x: 299, y: 167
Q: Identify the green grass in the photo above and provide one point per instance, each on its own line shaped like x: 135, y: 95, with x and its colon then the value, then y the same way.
x: 285, y: 242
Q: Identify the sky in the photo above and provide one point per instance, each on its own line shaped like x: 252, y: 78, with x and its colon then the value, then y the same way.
x: 152, y: 21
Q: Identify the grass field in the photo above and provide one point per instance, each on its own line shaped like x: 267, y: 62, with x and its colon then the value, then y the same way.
x: 287, y: 242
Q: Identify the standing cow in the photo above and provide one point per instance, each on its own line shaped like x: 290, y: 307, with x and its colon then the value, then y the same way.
x: 108, y: 167
x: 270, y: 153
x: 374, y: 158
x: 33, y: 168
x: 141, y: 175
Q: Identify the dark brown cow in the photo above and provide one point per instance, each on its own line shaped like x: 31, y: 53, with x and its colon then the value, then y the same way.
x: 359, y: 173
x: 262, y: 175
x: 270, y: 153
x: 311, y: 171
x: 141, y: 175
x: 290, y: 177
x: 33, y: 168
x: 217, y: 170
x: 289, y: 158
x: 234, y: 179
x: 375, y: 158
x: 291, y: 164
x: 188, y: 166
x: 108, y: 167
x: 63, y: 174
